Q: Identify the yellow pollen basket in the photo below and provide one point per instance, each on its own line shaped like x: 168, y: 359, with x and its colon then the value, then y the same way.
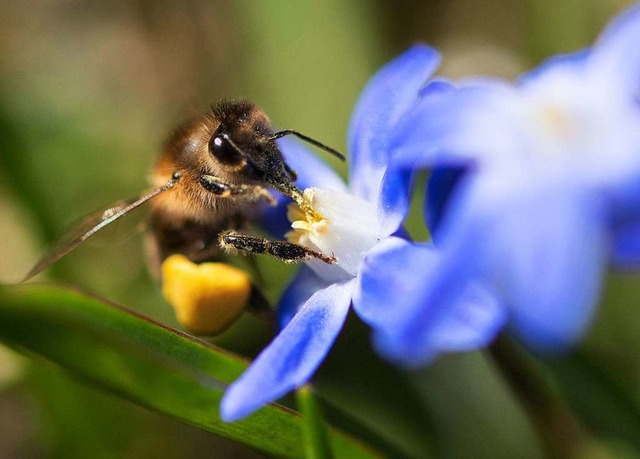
x: 207, y: 298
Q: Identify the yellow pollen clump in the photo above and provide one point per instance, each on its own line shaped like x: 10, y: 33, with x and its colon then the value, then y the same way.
x: 207, y: 297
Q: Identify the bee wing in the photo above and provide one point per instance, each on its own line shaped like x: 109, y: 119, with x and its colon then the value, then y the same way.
x: 93, y: 223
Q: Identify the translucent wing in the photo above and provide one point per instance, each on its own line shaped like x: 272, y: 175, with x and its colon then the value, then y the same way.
x: 93, y: 223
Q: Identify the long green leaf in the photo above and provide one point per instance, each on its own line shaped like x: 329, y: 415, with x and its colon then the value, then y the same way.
x: 147, y: 363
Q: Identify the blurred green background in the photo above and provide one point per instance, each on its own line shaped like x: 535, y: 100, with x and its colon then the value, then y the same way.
x: 88, y: 92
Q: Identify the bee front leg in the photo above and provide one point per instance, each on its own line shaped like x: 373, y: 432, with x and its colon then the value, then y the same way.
x: 282, y: 250
x: 228, y: 190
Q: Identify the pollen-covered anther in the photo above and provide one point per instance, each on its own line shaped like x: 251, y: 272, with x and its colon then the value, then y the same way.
x: 345, y: 226
x: 305, y: 224
x: 304, y: 203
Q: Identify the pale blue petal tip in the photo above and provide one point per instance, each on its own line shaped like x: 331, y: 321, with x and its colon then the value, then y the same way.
x: 293, y: 356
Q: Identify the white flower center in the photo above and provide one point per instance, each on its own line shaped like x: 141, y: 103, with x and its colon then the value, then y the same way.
x: 578, y: 124
x: 345, y: 226
x: 558, y: 123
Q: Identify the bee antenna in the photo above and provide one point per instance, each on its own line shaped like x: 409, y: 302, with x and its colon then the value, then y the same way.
x: 308, y: 139
x: 234, y: 145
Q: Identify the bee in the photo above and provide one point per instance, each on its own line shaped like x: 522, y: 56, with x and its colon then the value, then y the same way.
x: 212, y: 176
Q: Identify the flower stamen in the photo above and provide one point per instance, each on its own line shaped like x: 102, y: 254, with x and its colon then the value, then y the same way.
x: 303, y: 204
x: 305, y: 221
x: 341, y: 224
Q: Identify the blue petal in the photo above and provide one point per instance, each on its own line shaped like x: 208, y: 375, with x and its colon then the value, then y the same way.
x: 468, y: 320
x: 563, y: 62
x: 311, y: 171
x: 624, y: 203
x: 615, y: 54
x: 395, y: 198
x: 541, y: 246
x: 408, y: 328
x: 558, y: 271
x: 305, y: 284
x: 397, y: 181
x: 459, y: 126
x: 293, y: 356
x: 472, y: 322
x: 388, y: 95
x: 440, y: 186
x: 388, y: 278
x: 436, y: 85
x: 626, y: 244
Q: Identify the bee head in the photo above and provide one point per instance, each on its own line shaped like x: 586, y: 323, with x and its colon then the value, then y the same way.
x: 243, y: 144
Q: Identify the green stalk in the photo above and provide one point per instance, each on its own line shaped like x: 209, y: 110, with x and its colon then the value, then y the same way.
x: 559, y: 431
x: 314, y: 433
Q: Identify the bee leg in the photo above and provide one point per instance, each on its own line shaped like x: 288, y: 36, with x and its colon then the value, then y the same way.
x: 282, y: 250
x: 227, y: 190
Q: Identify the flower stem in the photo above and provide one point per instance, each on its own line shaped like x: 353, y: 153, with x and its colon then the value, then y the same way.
x: 560, y: 432
x: 314, y: 432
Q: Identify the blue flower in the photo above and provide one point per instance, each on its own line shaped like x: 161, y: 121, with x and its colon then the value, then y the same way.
x: 355, y: 225
x: 536, y: 187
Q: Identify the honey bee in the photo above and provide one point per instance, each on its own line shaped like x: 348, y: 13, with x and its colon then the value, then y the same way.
x: 209, y: 181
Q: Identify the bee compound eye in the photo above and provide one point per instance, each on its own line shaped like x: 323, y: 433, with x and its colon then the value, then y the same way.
x: 223, y: 151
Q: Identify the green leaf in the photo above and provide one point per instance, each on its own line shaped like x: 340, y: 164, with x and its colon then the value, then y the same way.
x: 148, y: 363
x: 596, y: 398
